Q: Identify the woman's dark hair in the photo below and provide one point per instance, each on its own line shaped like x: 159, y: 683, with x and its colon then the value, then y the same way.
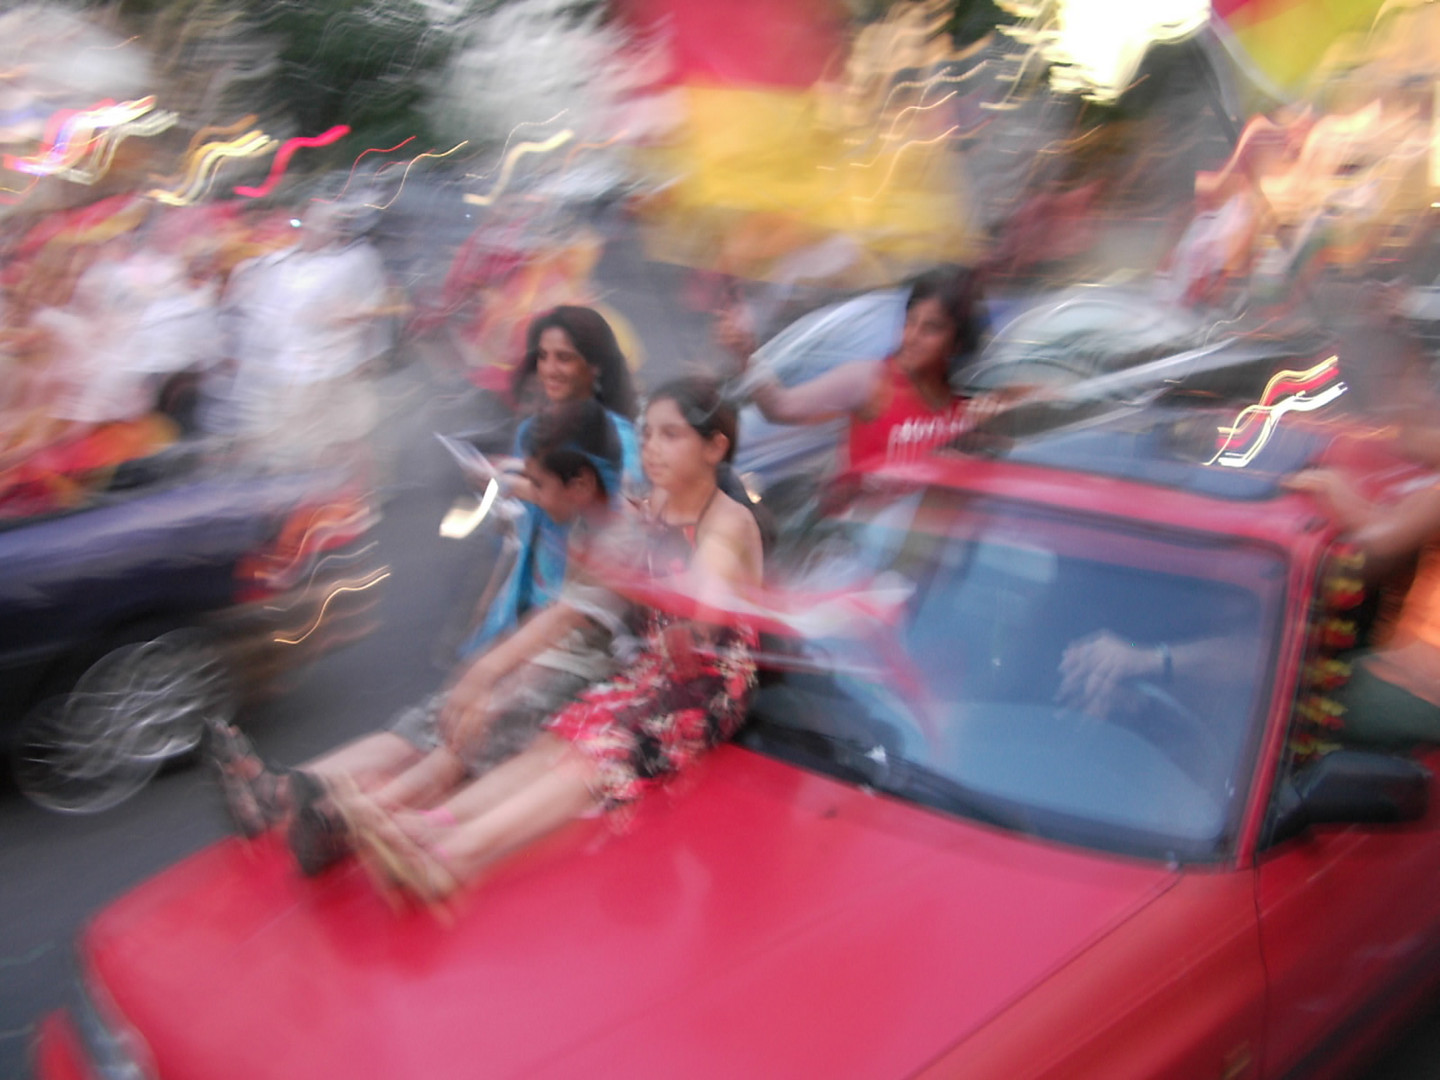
x: 703, y: 406
x: 958, y: 290
x: 595, y: 341
x: 572, y: 438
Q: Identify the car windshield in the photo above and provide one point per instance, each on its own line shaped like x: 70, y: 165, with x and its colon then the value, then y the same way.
x: 1073, y: 677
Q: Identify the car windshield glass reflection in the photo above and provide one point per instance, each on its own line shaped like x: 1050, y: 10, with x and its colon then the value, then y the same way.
x: 1072, y: 677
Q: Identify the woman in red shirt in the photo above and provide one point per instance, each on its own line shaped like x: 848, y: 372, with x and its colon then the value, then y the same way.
x: 904, y: 405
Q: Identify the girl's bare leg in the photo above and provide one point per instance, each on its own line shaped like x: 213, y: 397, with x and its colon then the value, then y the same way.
x: 371, y: 761
x: 428, y: 780
x: 500, y: 783
x: 517, y: 803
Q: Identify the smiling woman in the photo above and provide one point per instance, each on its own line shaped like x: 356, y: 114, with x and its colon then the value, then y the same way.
x: 571, y: 355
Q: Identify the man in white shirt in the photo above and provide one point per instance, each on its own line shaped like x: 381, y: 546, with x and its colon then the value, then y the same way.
x: 304, y: 324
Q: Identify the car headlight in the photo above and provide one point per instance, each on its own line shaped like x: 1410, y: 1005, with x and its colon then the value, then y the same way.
x: 116, y: 1051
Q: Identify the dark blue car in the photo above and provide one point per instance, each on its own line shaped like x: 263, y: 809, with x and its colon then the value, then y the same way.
x: 127, y: 620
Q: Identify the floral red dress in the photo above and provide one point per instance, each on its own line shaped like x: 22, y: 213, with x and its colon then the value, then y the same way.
x: 663, y: 711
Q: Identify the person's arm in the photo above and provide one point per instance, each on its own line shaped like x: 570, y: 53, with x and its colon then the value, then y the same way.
x: 1093, y: 669
x: 466, y: 705
x: 842, y: 391
x: 1384, y: 532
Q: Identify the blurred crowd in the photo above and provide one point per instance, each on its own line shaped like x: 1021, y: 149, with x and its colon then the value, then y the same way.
x: 261, y: 329
x: 129, y: 327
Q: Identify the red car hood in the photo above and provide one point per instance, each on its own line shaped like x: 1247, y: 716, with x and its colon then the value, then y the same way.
x: 763, y: 921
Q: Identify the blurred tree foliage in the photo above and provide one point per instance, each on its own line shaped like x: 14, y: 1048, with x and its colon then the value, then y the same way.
x: 307, y: 65
x: 967, y: 21
x: 358, y: 62
x: 971, y: 20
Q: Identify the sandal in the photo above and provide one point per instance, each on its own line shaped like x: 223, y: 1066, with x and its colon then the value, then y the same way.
x: 253, y: 792
x: 330, y: 814
x: 403, y: 863
x: 319, y: 835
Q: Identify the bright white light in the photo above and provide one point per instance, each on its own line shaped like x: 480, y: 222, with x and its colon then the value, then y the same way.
x: 1100, y: 43
x: 461, y: 522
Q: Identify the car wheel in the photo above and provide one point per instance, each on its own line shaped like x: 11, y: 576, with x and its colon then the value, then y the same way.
x: 65, y: 759
x: 136, y: 707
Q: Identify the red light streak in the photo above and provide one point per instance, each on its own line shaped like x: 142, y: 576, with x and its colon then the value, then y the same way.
x: 283, y: 155
x: 356, y: 163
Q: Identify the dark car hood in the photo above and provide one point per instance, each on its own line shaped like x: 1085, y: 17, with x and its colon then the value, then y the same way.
x: 762, y: 920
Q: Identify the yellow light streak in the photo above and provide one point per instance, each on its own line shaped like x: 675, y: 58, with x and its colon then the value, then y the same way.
x: 506, y: 147
x: 1273, y: 413
x: 334, y: 556
x: 926, y: 84
x: 80, y: 134
x: 106, y: 143
x: 207, y: 163
x: 227, y: 130
x: 325, y: 606
x: 891, y: 135
x: 559, y: 139
x: 1275, y: 380
x: 895, y: 161
x: 405, y: 175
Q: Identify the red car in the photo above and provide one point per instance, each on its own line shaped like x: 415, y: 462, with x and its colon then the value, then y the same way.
x: 941, y: 848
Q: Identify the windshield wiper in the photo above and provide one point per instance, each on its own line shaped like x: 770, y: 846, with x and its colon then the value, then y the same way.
x: 928, y: 786
x: 845, y: 759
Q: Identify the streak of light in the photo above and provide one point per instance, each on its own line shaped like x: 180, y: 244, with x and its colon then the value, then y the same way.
x: 575, y: 150
x: 70, y: 134
x: 410, y: 164
x: 1287, y: 382
x: 459, y: 524
x: 286, y: 151
x: 107, y: 142
x: 21, y: 192
x: 560, y: 138
x: 890, y: 135
x: 317, y: 532
x: 1273, y: 413
x: 333, y: 557
x: 356, y: 164
x: 506, y: 147
x: 380, y: 576
x: 895, y: 161
x: 926, y: 84
x: 227, y: 130
x: 117, y: 45
x: 207, y: 161
x: 1299, y: 384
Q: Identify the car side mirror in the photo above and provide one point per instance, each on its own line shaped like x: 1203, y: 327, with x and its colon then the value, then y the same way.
x: 1349, y: 787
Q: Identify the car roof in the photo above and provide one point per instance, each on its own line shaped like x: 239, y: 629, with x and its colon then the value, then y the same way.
x: 1157, y: 465
x: 1176, y: 448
